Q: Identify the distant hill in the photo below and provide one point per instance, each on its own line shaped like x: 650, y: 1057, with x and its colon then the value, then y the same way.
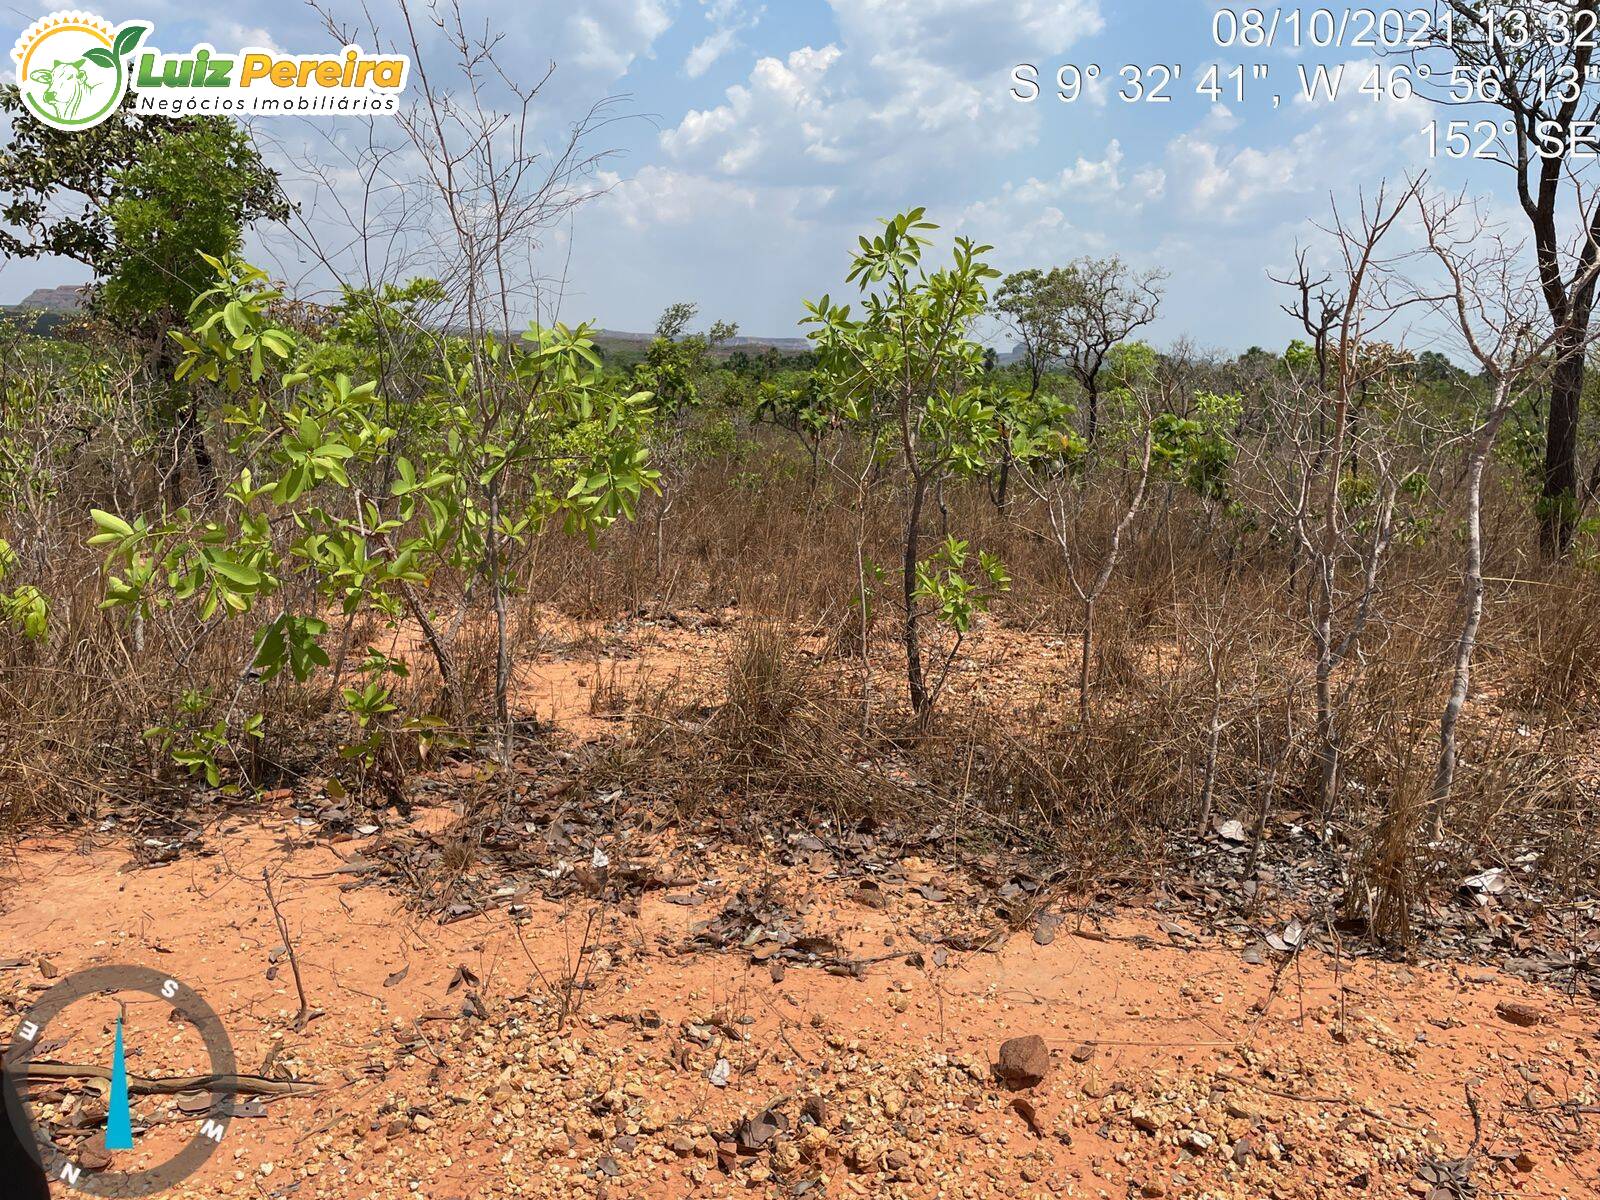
x: 787, y: 345
x: 68, y: 297
x: 44, y: 311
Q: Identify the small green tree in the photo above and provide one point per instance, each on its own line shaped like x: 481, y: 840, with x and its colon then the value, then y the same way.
x: 305, y: 507
x: 182, y: 201
x: 674, y: 372
x: 1032, y: 305
x: 906, y: 369
x: 186, y: 196
x: 798, y: 404
x: 137, y: 200
x: 24, y: 608
x: 60, y: 189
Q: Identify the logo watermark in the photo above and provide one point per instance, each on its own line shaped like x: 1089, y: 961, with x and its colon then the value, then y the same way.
x: 74, y: 69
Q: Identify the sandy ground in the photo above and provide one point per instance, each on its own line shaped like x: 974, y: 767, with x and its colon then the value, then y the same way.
x: 445, y: 1067
x: 595, y: 1048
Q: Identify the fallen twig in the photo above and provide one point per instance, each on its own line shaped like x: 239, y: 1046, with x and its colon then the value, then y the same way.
x: 238, y: 1085
x: 294, y: 962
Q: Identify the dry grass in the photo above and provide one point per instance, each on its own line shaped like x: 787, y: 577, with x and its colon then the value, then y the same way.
x: 1200, y: 602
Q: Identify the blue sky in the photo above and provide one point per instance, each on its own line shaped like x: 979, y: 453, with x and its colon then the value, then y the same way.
x: 762, y: 137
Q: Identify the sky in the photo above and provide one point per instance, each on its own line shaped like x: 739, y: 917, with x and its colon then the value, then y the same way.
x: 752, y: 141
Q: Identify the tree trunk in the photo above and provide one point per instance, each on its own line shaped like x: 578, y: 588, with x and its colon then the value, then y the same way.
x: 1087, y: 648
x: 1208, y: 788
x: 502, y: 639
x: 1472, y: 586
x: 1327, y: 726
x: 663, y: 503
x: 915, y: 682
x: 865, y: 606
x: 205, y: 468
x: 430, y: 632
x: 1558, y: 508
x: 1003, y: 485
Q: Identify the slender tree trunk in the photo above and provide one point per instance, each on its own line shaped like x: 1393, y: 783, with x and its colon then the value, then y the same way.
x: 205, y: 468
x: 441, y: 653
x: 1107, y: 569
x: 343, y: 651
x: 1208, y: 789
x: 1086, y: 648
x: 1327, y: 563
x: 1327, y: 726
x: 663, y: 503
x: 1461, y: 678
x: 865, y: 604
x: 1327, y: 740
x: 430, y: 632
x: 915, y: 681
x: 502, y: 637
x: 1558, y: 508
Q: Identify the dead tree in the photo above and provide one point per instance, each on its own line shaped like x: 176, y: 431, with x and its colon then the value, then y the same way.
x: 1495, y: 307
x: 1338, y: 613
x: 1103, y: 302
x: 1316, y: 306
x: 1063, y: 488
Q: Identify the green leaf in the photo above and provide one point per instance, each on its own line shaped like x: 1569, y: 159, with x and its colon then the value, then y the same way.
x: 111, y: 523
x: 238, y: 573
x: 100, y: 57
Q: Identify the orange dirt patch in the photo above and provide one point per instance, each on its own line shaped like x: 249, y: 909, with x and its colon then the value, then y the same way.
x: 445, y: 1069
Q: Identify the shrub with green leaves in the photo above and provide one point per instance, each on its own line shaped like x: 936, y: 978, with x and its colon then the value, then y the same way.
x: 321, y: 504
x: 1198, y: 450
x: 907, y: 373
x: 24, y: 608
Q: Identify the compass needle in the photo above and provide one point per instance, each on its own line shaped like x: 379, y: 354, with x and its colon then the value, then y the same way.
x: 119, y: 1121
x: 34, y: 1141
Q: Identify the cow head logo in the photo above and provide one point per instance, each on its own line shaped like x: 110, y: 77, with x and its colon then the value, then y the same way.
x: 72, y: 67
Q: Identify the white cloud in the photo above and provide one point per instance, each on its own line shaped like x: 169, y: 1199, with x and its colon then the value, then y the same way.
x: 1150, y: 184
x: 1028, y: 221
x: 769, y: 126
x: 973, y: 38
x: 662, y: 196
x: 911, y: 90
x: 606, y: 36
x: 728, y: 18
x: 707, y: 51
x: 1223, y: 183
